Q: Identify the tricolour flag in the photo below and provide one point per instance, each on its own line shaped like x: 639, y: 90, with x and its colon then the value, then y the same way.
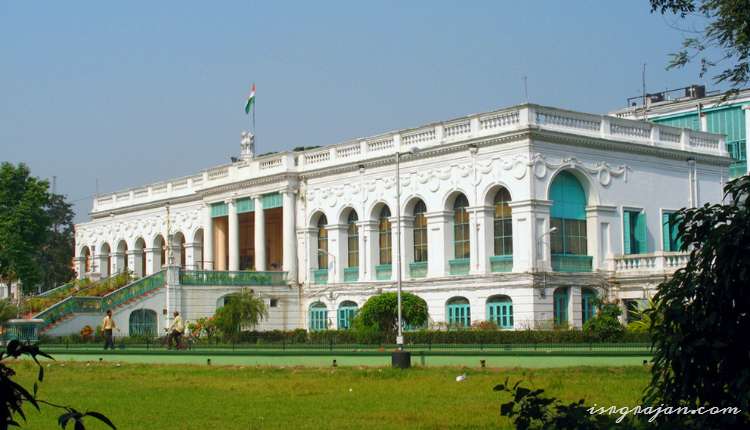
x: 250, y: 101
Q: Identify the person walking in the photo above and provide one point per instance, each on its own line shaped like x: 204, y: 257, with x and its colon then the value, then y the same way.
x: 108, y: 325
x: 175, y: 331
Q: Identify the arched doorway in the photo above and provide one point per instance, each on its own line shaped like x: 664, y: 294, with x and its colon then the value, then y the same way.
x: 458, y: 312
x: 500, y: 311
x: 142, y: 322
x: 318, y: 317
x: 347, y: 310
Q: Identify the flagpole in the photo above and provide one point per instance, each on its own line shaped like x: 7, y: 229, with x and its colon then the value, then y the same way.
x: 253, y: 108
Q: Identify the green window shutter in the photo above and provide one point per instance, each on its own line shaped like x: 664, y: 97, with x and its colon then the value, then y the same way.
x: 674, y: 240
x: 626, y: 231
x: 666, y: 232
x: 640, y: 233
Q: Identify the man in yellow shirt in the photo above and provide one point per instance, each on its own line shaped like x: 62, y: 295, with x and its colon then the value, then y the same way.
x: 108, y: 324
x: 175, y: 331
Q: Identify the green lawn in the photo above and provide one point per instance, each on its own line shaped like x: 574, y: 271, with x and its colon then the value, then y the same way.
x: 159, y: 396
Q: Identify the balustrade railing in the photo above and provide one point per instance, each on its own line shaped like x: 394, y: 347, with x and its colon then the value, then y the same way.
x: 667, y: 261
x: 231, y: 278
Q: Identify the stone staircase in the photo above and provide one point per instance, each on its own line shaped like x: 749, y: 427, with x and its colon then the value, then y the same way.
x: 130, y: 293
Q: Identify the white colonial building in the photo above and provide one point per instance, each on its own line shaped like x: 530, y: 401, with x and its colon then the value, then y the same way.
x: 519, y: 216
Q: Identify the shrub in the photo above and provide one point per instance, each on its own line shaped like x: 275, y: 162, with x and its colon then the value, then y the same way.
x: 484, y: 325
x: 380, y: 312
x: 86, y: 332
x: 605, y: 326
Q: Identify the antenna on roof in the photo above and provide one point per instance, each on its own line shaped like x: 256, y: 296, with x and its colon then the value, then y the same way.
x: 54, y: 184
x: 525, y: 88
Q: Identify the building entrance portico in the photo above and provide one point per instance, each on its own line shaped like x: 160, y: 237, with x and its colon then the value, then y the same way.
x: 247, y: 234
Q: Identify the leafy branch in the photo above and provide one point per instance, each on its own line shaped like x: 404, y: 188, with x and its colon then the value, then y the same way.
x: 13, y: 395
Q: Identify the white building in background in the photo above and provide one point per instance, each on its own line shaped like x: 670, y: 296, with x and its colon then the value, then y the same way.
x: 518, y: 216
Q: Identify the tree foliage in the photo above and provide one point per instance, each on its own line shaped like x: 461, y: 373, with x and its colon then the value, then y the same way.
x: 241, y: 311
x: 727, y: 30
x: 531, y: 409
x: 24, y: 225
x: 8, y: 310
x: 36, y: 231
x: 380, y: 312
x: 703, y: 315
x: 14, y: 396
x: 57, y: 252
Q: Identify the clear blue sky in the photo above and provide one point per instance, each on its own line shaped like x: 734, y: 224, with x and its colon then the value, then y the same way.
x: 136, y: 92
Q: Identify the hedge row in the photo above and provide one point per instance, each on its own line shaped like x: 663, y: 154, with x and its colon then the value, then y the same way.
x: 301, y: 336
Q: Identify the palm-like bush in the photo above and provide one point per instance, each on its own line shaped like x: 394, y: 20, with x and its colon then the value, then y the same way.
x: 243, y: 310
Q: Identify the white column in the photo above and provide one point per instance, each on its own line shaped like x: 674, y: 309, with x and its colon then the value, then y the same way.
x: 208, y: 239
x: 192, y: 255
x: 575, y: 317
x: 289, y: 262
x: 395, y: 252
x: 118, y: 262
x: 81, y: 266
x: 370, y: 246
x: 407, y: 245
x: 153, y: 260
x: 337, y: 247
x: 438, y: 242
x: 480, y: 222
x: 747, y: 135
x: 134, y: 257
x: 531, y: 237
x: 303, y: 269
x: 600, y: 220
x: 234, y: 236
x: 260, y: 236
x: 103, y: 264
x: 365, y: 250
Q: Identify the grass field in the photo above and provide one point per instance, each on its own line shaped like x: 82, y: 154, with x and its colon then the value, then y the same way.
x: 159, y: 396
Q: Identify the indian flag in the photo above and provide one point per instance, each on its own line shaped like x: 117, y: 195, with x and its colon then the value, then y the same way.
x: 250, y: 101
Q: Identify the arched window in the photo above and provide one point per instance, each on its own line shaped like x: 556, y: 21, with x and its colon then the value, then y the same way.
x: 461, y: 248
x: 142, y: 322
x: 568, y: 219
x: 420, y: 232
x: 318, y: 317
x: 560, y: 306
x: 352, y: 235
x: 588, y: 307
x: 384, y: 235
x: 459, y: 312
x: 322, y: 243
x: 347, y: 310
x: 500, y: 311
x: 503, y: 223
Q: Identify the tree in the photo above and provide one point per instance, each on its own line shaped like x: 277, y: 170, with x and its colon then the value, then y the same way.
x: 241, y: 310
x: 58, y: 251
x: 24, y: 225
x: 727, y: 29
x: 380, y: 312
x: 702, y: 316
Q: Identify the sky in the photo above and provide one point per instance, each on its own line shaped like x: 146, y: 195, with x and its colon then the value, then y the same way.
x: 108, y: 96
